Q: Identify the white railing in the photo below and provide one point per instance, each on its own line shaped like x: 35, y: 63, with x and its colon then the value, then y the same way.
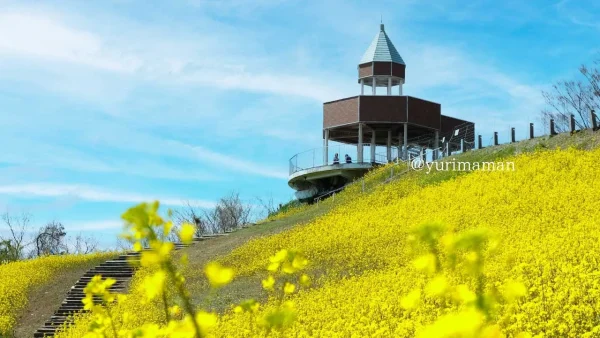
x: 315, y: 157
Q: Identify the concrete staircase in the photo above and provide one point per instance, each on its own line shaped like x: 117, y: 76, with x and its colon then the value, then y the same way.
x: 119, y: 269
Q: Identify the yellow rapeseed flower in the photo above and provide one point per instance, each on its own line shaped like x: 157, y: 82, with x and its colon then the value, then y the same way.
x: 155, y: 284
x: 217, y: 275
x: 186, y: 234
x: 411, y: 300
x: 268, y: 283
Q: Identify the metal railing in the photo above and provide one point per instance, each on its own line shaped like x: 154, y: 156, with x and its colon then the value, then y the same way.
x: 313, y: 158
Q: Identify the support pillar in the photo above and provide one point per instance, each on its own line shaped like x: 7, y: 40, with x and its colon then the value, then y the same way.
x: 373, y: 146
x: 374, y: 86
x: 389, y: 147
x: 400, y: 88
x: 389, y: 87
x: 436, y: 145
x: 359, y: 151
x: 530, y: 131
x: 400, y: 138
x: 405, y: 142
x: 326, y: 147
x: 362, y: 86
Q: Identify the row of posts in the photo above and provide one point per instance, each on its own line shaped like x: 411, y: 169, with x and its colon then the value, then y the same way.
x: 572, y: 125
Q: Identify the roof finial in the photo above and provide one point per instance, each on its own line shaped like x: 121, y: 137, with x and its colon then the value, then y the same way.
x: 381, y: 22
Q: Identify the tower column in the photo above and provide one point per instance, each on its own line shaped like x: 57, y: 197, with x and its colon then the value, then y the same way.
x: 326, y: 147
x: 374, y: 86
x: 436, y: 145
x: 373, y: 146
x: 389, y: 146
x: 400, y: 148
x: 405, y: 142
x: 362, y: 86
x: 400, y: 88
x: 359, y: 150
x: 389, y: 88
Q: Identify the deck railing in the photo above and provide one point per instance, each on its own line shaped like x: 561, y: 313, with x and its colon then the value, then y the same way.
x: 313, y: 158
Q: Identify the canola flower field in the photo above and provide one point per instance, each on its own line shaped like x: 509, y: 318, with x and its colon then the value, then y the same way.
x: 486, y: 254
x: 17, y: 279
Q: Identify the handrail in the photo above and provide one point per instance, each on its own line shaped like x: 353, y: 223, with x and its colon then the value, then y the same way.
x: 318, y: 157
x: 314, y: 158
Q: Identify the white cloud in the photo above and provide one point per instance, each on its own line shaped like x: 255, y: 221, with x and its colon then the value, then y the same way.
x: 92, y: 225
x: 36, y: 35
x: 93, y: 194
x: 39, y: 154
x: 579, y: 13
x: 233, y: 163
x: 50, y: 39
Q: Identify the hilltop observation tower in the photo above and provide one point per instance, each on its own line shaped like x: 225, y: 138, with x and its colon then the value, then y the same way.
x: 398, y: 125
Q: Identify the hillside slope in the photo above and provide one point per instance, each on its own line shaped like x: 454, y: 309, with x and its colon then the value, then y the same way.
x: 544, y: 215
x: 543, y: 228
x: 30, y: 290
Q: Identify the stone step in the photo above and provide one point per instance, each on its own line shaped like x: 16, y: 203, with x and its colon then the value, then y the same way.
x: 116, y: 264
x: 114, y: 274
x: 109, y: 273
x: 88, y: 278
x: 45, y: 332
x: 109, y: 269
x: 121, y: 263
x: 119, y: 268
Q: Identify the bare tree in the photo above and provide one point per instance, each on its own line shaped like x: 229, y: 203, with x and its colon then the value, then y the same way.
x: 575, y: 97
x: 267, y: 205
x: 192, y: 215
x: 231, y: 213
x: 15, y: 243
x: 50, y: 239
x: 211, y: 220
x: 84, y: 245
x: 123, y: 245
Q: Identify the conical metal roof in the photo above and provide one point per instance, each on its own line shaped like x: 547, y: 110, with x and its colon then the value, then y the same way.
x: 382, y: 49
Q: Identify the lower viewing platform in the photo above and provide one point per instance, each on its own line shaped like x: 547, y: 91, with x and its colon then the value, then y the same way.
x: 317, y: 171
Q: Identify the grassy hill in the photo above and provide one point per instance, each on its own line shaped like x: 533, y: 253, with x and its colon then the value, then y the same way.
x: 31, y: 290
x: 373, y: 275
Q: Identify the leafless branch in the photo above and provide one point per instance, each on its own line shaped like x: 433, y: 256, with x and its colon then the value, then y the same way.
x: 575, y: 97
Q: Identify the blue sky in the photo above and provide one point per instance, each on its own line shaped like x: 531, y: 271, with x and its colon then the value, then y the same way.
x: 106, y: 103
